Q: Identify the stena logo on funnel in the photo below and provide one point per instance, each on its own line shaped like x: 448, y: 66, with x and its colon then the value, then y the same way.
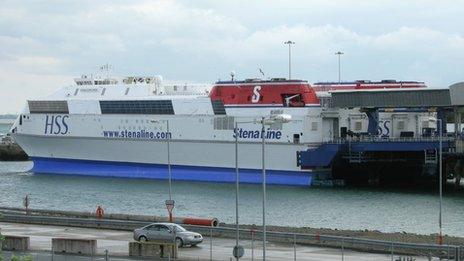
x: 256, y: 95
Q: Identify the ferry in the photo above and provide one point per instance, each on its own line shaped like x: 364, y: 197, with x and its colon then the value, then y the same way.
x: 366, y: 85
x: 123, y: 128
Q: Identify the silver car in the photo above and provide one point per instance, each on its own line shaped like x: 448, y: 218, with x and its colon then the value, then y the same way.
x: 167, y: 232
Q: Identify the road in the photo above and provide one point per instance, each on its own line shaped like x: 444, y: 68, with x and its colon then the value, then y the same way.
x: 116, y: 242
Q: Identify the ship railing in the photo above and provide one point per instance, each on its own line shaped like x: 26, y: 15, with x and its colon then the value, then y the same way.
x: 389, y: 139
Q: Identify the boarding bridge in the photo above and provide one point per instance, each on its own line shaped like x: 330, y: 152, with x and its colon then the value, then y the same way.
x: 412, y: 154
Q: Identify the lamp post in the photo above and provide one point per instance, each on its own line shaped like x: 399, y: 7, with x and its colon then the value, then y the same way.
x: 236, y: 188
x: 170, y: 202
x: 440, y: 182
x: 339, y: 53
x: 264, y: 187
x: 289, y: 58
x: 280, y: 118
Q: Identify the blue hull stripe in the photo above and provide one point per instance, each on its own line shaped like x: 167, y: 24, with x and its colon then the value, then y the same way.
x: 160, y: 171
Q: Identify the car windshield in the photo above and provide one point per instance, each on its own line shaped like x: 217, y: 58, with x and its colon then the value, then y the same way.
x: 179, y: 228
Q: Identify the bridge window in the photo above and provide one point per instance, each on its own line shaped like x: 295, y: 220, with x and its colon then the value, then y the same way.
x: 137, y: 107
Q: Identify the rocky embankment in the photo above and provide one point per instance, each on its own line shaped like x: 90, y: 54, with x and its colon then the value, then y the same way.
x: 372, y: 234
x: 10, y: 151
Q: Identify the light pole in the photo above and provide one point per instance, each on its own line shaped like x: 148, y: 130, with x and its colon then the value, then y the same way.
x: 279, y: 118
x: 440, y: 182
x: 289, y: 58
x: 236, y: 188
x: 339, y: 53
x: 170, y: 202
x: 264, y: 185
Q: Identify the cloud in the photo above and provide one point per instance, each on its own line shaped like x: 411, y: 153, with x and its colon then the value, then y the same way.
x: 46, y: 41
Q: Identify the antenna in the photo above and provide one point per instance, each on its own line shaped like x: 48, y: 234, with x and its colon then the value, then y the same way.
x: 261, y: 71
x: 106, y: 68
x: 232, y: 75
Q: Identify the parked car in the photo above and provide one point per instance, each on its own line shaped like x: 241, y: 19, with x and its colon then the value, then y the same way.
x: 167, y: 232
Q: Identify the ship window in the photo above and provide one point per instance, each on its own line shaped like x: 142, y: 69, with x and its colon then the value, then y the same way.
x: 48, y: 106
x: 137, y: 107
x: 218, y: 107
x: 314, y: 126
x: 358, y: 126
x: 224, y: 123
x: 400, y: 125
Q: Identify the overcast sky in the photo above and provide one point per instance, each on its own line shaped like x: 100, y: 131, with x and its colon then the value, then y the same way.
x: 44, y: 44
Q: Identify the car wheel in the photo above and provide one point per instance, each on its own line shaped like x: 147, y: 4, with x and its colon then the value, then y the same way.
x: 143, y: 239
x: 179, y: 242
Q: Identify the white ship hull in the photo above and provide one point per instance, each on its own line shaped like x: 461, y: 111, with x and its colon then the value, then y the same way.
x: 190, y: 160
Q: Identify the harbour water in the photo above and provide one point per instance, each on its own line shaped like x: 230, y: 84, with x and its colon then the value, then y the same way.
x: 387, y: 210
x: 4, y: 128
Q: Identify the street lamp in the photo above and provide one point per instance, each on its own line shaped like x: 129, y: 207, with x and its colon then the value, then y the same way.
x: 170, y: 202
x: 440, y: 182
x: 289, y: 58
x: 339, y: 53
x: 279, y: 118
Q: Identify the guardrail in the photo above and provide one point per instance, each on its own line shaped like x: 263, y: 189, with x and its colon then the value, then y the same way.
x: 388, y: 139
x: 432, y: 250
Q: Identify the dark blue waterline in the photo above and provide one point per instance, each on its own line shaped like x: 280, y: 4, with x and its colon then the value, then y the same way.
x: 160, y: 171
